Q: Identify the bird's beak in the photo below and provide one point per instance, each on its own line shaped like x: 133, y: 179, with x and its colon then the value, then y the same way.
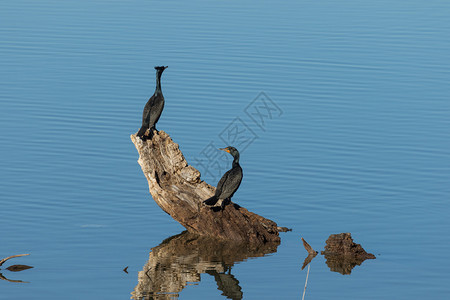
x: 225, y: 149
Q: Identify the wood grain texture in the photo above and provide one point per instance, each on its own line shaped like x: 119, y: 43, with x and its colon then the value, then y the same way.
x: 177, y: 188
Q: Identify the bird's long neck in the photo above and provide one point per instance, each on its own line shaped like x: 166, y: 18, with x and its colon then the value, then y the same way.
x: 158, y: 82
x: 236, y: 159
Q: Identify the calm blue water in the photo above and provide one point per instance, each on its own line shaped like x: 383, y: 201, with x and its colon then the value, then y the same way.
x: 360, y: 142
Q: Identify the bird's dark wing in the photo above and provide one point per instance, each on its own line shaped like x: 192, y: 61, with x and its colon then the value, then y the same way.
x: 147, y: 109
x: 231, y: 184
x: 156, y: 110
x: 222, y: 181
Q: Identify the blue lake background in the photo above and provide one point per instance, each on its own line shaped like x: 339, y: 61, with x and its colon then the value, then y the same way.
x: 361, y: 146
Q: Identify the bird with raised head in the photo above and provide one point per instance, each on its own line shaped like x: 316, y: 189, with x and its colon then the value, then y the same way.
x: 153, y: 108
x: 230, y: 181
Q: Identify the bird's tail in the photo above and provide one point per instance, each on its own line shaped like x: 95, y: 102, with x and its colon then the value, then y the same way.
x: 211, y: 201
x: 141, y: 131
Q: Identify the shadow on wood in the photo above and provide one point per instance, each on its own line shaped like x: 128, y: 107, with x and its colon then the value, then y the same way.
x: 177, y: 188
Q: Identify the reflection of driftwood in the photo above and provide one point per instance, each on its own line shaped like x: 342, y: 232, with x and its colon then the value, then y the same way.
x: 342, y: 254
x: 308, y: 259
x: 182, y: 258
x: 11, y: 280
x: 12, y: 256
x: 176, y: 187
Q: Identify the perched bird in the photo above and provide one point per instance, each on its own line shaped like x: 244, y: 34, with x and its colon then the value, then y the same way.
x: 230, y: 181
x: 153, y: 108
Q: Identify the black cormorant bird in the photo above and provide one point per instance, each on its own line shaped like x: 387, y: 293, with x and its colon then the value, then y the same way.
x: 230, y: 181
x: 153, y: 108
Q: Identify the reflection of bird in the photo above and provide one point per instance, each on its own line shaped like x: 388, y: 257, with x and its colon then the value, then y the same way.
x: 230, y: 181
x: 153, y: 108
x: 228, y: 284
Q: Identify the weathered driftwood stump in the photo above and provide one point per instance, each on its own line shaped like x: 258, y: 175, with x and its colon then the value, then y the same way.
x: 177, y: 188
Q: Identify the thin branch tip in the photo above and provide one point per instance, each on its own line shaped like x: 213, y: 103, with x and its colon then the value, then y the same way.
x: 12, y: 256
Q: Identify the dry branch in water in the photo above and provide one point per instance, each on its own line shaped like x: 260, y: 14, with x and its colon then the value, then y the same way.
x: 311, y: 254
x: 177, y: 188
x: 12, y: 256
x: 308, y: 247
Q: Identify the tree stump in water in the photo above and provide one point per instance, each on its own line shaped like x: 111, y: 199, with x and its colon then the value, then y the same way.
x: 177, y: 188
x: 342, y: 254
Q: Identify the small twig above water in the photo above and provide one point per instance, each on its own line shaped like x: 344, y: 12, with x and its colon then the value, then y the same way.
x: 308, y: 247
x: 12, y: 256
x: 283, y: 229
x: 311, y: 254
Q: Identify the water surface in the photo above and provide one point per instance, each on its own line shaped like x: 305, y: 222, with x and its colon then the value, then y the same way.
x: 360, y: 143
